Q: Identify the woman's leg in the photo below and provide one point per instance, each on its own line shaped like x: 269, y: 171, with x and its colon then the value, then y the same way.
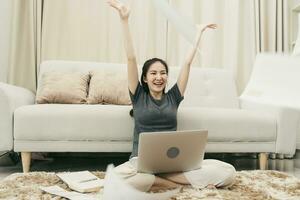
x: 140, y: 181
x: 212, y: 172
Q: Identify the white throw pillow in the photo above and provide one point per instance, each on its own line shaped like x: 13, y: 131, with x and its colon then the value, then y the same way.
x: 296, y: 51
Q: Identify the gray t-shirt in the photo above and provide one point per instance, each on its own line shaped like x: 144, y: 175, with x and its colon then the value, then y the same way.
x: 151, y: 115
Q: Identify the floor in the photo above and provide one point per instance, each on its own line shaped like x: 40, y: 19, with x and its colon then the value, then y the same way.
x: 57, y: 162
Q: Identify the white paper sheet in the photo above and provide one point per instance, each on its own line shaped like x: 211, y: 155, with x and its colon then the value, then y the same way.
x: 81, y: 181
x: 179, y: 22
x: 56, y: 190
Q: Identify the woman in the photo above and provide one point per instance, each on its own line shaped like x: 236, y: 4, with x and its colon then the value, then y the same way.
x: 155, y: 110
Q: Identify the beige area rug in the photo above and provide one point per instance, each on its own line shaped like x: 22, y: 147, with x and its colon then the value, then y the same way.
x: 258, y: 185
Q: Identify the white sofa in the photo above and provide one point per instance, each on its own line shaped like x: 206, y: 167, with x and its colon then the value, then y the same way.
x: 275, y: 82
x: 211, y: 102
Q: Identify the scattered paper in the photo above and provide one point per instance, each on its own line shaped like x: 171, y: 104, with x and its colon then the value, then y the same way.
x: 82, y: 181
x: 56, y: 190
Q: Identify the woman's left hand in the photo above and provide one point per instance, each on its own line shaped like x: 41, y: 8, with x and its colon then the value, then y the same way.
x: 202, y: 27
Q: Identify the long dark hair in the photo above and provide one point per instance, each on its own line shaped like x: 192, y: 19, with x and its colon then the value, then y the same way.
x: 145, y: 70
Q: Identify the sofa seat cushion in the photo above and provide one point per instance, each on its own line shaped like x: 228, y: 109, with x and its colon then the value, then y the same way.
x: 58, y: 122
x: 229, y: 125
x: 65, y: 122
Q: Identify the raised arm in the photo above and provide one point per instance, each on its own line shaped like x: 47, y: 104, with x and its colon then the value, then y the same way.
x: 131, y: 58
x: 185, y: 70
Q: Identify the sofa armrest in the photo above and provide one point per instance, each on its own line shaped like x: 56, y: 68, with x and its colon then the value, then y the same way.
x: 11, y: 97
x: 288, y: 120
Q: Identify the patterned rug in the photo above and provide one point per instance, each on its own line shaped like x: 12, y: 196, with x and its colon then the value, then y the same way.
x: 258, y: 185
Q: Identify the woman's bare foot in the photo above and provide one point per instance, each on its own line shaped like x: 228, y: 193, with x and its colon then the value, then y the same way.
x: 211, y: 187
x: 161, y: 184
x: 178, y: 178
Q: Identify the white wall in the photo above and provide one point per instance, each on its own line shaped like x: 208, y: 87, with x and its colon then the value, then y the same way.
x: 5, y: 21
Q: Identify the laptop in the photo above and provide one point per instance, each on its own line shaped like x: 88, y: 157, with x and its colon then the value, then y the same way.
x: 172, y: 151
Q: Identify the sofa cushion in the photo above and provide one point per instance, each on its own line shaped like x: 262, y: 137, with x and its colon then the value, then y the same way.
x: 73, y: 122
x: 63, y: 87
x: 229, y: 125
x: 274, y: 78
x: 111, y: 122
x: 207, y: 87
x: 108, y: 87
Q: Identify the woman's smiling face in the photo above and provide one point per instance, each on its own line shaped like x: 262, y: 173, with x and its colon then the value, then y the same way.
x: 156, y: 77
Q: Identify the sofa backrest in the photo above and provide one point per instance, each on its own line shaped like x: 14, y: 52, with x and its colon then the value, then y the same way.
x: 275, y: 78
x: 207, y: 87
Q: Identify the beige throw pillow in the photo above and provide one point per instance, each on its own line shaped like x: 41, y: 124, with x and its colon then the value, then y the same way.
x: 109, y: 86
x: 63, y: 87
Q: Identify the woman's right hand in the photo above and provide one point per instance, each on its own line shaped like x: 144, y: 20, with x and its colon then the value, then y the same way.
x: 123, y: 10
